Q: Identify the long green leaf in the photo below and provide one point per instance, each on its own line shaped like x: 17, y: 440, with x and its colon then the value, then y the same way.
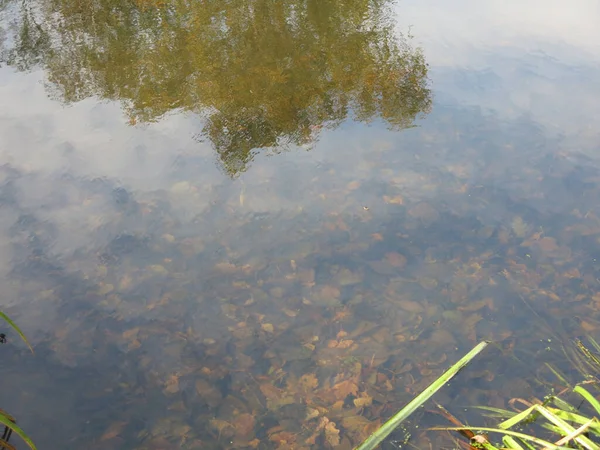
x: 526, y: 444
x: 589, y: 397
x: 573, y: 435
x: 576, y: 418
x: 517, y: 418
x: 375, y: 439
x: 557, y: 374
x: 496, y: 412
x: 16, y: 328
x: 592, y: 360
x: 562, y: 405
x: 523, y: 436
x: 511, y: 443
x: 560, y: 426
x: 566, y: 429
x: 594, y: 343
x: 5, y: 420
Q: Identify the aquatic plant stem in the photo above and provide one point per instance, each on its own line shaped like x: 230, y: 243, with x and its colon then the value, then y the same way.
x: 384, y: 431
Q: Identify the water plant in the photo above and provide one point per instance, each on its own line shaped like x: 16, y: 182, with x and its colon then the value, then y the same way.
x: 5, y: 419
x: 384, y: 431
x: 566, y: 419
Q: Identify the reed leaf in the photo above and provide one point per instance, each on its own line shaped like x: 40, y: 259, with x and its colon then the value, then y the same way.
x: 589, y: 397
x: 522, y: 436
x: 384, y: 431
x: 6, y: 421
x: 17, y: 329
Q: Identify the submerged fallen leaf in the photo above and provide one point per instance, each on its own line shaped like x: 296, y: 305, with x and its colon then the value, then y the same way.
x: 424, y: 212
x: 344, y: 388
x: 337, y: 406
x: 290, y: 312
x: 307, y: 277
x: 572, y: 273
x: 353, y: 185
x: 397, y: 200
x: 329, y: 292
x: 276, y: 398
x: 547, y: 244
x: 169, y: 238
x: 363, y: 400
x: 172, y: 384
x: 284, y: 438
x: 332, y: 434
x: 396, y: 259
x: 588, y: 326
x: 223, y: 427
x: 244, y: 426
x: 477, y: 305
x: 268, y: 327
x: 125, y: 282
x: 113, y: 430
x: 355, y: 423
x: 410, y: 306
x: 308, y: 382
x: 105, y: 289
x: 209, y: 393
x: 346, y: 277
x: 225, y: 267
x: 360, y: 426
x: 342, y: 314
x: 131, y: 333
x: 342, y: 343
x: 158, y: 269
x: 311, y: 413
x: 428, y: 283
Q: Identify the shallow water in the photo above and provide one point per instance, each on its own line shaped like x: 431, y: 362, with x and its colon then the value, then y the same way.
x: 263, y: 225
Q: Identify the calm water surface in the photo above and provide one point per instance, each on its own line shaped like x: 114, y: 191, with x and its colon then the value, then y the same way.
x: 267, y: 225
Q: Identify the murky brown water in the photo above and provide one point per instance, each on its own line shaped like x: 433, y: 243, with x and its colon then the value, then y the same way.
x: 268, y: 225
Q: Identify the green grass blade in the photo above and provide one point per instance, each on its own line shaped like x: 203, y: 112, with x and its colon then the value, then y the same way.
x: 510, y: 442
x: 579, y: 431
x: 594, y: 343
x: 557, y: 374
x: 5, y: 420
x: 578, y: 419
x: 517, y: 418
x: 527, y: 445
x: 589, y: 397
x: 375, y: 439
x: 576, y: 359
x: 554, y: 428
x: 496, y: 412
x: 487, y: 445
x: 562, y: 405
x: 522, y: 436
x: 557, y: 425
x: 592, y: 360
x: 16, y: 328
x: 565, y: 429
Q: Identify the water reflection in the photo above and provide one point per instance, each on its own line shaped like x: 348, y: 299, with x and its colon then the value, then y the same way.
x: 265, y: 75
x: 305, y: 300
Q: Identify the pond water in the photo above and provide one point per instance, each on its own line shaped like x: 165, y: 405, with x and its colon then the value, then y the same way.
x: 268, y: 225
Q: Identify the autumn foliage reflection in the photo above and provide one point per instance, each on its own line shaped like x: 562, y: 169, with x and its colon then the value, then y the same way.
x: 263, y: 73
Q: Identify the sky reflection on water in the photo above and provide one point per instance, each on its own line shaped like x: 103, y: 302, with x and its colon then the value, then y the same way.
x: 161, y: 294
